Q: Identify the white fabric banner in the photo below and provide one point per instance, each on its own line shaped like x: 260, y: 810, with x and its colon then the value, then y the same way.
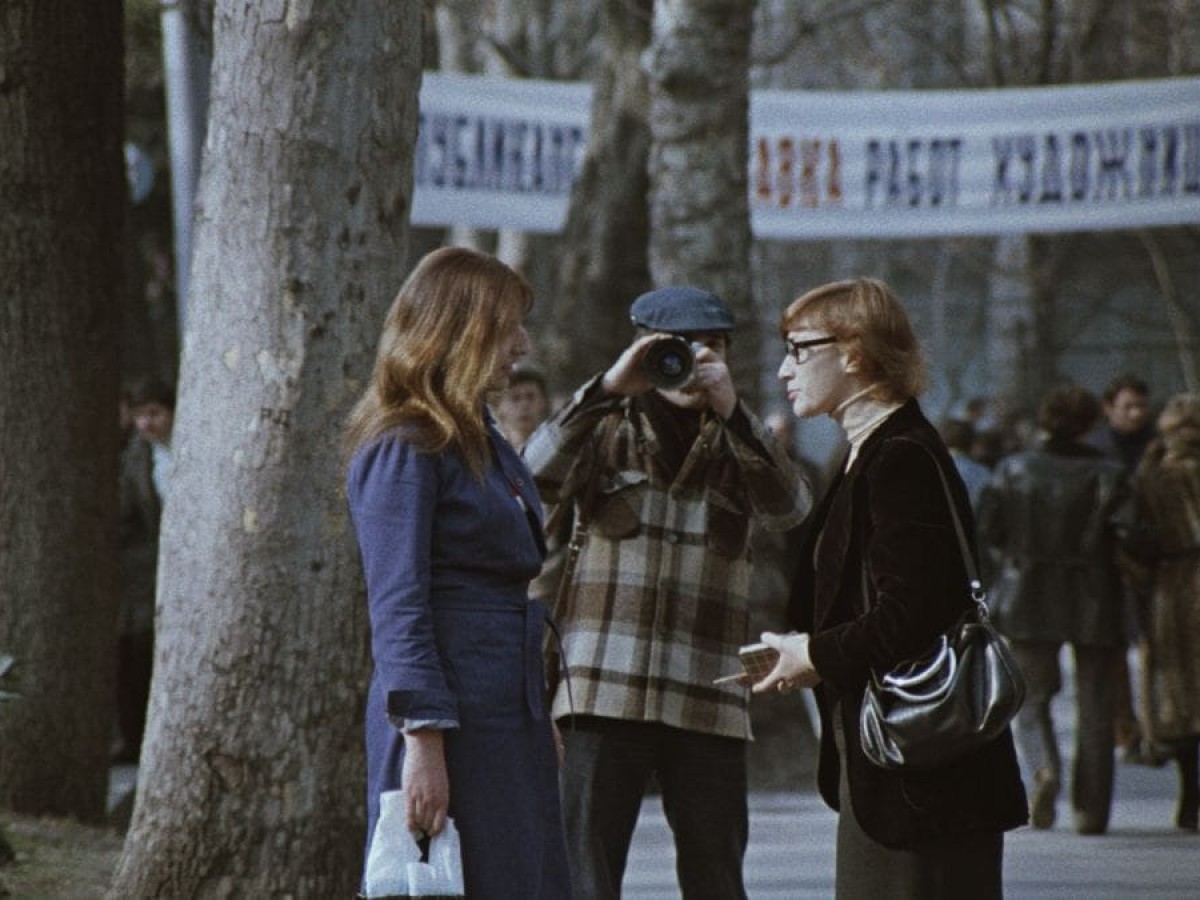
x: 500, y: 153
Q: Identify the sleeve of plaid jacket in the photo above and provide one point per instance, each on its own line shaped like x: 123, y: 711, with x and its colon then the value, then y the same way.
x: 777, y: 491
x: 560, y: 453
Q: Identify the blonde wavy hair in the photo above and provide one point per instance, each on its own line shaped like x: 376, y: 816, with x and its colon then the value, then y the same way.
x: 440, y: 343
x: 1179, y: 426
x: 869, y: 321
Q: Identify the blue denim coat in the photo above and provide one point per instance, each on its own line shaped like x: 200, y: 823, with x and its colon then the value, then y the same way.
x: 456, y: 640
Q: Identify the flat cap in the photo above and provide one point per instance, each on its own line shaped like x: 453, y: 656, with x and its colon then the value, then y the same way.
x: 679, y: 308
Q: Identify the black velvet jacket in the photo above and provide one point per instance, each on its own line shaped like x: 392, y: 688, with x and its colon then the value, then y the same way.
x: 888, y: 518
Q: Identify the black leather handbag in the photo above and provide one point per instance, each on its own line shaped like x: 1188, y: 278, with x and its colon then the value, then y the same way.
x: 954, y: 699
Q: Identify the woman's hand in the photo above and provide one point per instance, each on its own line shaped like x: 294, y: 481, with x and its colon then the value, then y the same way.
x: 794, y: 668
x: 425, y: 782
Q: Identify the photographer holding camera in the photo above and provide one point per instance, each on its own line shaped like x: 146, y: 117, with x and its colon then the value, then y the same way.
x: 668, y: 473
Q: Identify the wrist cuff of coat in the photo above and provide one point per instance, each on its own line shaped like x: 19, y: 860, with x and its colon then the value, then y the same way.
x: 427, y: 705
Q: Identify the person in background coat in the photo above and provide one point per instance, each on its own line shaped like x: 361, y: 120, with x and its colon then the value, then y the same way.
x: 1053, y: 516
x: 882, y: 578
x: 522, y: 406
x: 959, y: 436
x: 1128, y: 424
x: 1166, y: 567
x: 1124, y: 433
x: 144, y: 482
x: 449, y: 526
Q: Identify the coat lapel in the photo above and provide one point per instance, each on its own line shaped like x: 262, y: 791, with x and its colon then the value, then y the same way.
x: 513, y: 470
x: 834, y: 562
x: 832, y: 547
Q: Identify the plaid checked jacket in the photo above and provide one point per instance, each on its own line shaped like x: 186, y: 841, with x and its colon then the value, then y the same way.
x: 659, y: 603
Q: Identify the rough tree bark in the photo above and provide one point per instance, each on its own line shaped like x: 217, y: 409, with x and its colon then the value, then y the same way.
x: 62, y: 191
x: 700, y: 128
x: 251, y: 781
x: 604, y: 261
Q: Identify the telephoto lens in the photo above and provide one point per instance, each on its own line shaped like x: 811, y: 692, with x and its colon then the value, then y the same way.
x: 668, y: 363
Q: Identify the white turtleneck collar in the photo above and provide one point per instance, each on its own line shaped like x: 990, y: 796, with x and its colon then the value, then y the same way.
x: 859, y: 415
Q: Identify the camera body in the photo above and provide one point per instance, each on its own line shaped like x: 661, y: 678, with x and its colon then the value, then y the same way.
x: 669, y: 363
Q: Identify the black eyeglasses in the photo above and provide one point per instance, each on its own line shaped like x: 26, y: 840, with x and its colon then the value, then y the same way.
x: 800, y: 351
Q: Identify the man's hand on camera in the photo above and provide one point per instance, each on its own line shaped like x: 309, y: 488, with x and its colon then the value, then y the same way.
x: 625, y: 377
x: 712, y: 378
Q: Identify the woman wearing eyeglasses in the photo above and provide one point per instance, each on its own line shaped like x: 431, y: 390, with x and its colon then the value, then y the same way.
x: 881, y: 578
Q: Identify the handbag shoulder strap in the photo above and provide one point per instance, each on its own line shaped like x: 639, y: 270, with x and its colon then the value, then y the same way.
x: 973, y: 580
x: 959, y: 531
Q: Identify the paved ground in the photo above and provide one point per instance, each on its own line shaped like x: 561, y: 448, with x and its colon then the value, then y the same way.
x: 792, y: 845
x: 791, y: 848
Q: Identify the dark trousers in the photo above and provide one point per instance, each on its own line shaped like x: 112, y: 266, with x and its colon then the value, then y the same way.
x: 1092, y: 769
x: 135, y: 660
x: 608, y: 766
x: 968, y: 865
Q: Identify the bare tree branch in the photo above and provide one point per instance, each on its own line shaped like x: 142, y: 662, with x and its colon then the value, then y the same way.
x: 1182, y: 325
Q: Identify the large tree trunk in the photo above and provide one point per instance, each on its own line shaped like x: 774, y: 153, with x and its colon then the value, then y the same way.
x: 603, y: 258
x: 700, y: 128
x: 251, y: 783
x: 62, y: 191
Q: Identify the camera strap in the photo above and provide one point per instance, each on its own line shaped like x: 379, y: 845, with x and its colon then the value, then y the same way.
x: 583, y: 509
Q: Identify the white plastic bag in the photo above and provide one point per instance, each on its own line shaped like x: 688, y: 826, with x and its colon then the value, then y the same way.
x: 394, y: 864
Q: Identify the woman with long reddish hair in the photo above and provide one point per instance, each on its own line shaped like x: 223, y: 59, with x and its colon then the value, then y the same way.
x: 450, y: 530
